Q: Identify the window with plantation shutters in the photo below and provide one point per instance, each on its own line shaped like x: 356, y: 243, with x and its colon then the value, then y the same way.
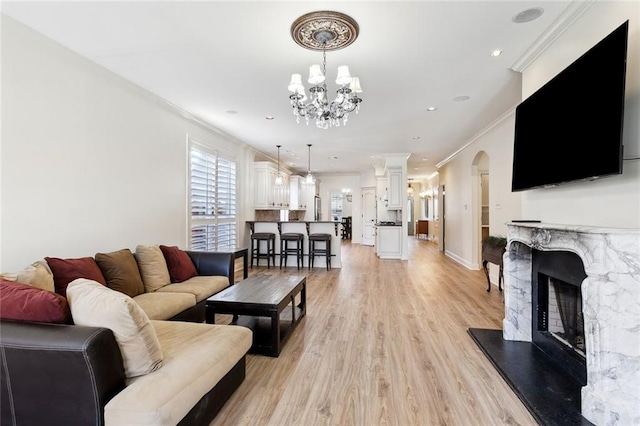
x: 212, y: 198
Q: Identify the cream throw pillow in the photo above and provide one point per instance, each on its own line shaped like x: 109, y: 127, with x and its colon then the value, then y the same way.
x: 37, y: 274
x: 153, y: 267
x: 93, y: 304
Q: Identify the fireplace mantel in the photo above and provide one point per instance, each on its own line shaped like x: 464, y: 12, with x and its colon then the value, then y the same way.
x: 611, y: 309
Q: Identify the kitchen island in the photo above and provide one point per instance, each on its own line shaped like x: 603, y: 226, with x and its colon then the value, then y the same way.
x: 389, y: 240
x: 304, y: 228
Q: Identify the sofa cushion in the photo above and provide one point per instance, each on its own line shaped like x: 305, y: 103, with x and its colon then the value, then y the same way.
x: 23, y: 302
x: 200, y: 286
x: 153, y: 267
x: 95, y: 305
x: 120, y: 270
x: 37, y: 274
x: 164, y: 306
x: 181, y: 268
x: 67, y: 270
x: 196, y: 357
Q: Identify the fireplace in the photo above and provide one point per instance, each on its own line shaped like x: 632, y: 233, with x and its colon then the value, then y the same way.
x: 604, y: 268
x: 557, y: 327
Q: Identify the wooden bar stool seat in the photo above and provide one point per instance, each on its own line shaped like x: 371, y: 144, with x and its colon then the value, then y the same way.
x: 270, y: 254
x: 285, y: 250
x: 325, y: 250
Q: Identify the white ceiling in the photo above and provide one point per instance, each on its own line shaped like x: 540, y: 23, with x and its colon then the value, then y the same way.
x: 211, y: 57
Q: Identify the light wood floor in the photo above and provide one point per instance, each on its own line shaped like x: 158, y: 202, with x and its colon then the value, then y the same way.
x: 384, y: 342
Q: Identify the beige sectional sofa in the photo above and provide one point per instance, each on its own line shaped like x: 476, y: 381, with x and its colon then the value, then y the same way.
x: 196, y: 358
x: 120, y: 362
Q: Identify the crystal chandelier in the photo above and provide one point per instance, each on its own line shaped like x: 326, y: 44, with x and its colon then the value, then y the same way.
x: 325, y: 31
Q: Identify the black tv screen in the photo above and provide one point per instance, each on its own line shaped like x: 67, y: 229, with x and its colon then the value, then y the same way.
x: 571, y: 128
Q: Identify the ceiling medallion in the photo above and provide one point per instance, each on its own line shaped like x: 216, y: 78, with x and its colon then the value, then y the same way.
x: 324, y: 30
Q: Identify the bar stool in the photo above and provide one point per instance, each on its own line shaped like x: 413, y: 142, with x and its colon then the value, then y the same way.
x: 270, y: 239
x: 316, y: 251
x: 285, y: 250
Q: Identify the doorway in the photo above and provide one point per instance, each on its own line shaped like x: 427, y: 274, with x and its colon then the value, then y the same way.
x: 368, y: 216
x: 481, y: 218
x: 443, y: 216
x: 410, y: 216
x: 484, y: 205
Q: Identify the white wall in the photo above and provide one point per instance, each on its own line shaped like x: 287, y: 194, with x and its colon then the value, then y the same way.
x: 612, y: 201
x: 90, y: 163
x: 462, y: 191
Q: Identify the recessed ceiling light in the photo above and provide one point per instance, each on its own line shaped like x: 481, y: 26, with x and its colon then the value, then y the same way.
x: 415, y: 137
x: 461, y: 98
x: 431, y: 109
x: 528, y: 15
x: 424, y: 159
x: 269, y: 117
x: 496, y: 53
x: 230, y: 111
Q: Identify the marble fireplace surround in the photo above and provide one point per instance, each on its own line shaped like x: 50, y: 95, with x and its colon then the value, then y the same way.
x: 611, y: 309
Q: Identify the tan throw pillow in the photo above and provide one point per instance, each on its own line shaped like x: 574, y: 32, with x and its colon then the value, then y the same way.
x: 37, y: 274
x: 153, y: 267
x: 95, y: 305
x: 121, y: 272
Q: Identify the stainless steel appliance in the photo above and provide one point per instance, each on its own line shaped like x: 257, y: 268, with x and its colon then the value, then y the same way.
x: 316, y: 208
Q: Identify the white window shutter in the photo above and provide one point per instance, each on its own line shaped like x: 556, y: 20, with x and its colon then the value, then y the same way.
x: 212, y: 197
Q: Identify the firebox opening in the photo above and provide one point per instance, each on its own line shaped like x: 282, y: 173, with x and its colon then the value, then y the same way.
x: 557, y: 320
x: 565, y: 321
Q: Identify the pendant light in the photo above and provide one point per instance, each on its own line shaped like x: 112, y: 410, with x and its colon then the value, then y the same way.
x: 309, y: 175
x: 278, y: 181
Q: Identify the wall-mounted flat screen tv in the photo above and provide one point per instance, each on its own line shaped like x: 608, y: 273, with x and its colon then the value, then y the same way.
x: 571, y: 128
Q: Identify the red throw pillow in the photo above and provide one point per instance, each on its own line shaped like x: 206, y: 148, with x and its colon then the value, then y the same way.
x: 23, y: 302
x: 181, y: 268
x: 67, y: 270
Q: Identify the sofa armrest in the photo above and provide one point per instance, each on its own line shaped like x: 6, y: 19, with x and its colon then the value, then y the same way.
x: 57, y: 374
x: 214, y: 263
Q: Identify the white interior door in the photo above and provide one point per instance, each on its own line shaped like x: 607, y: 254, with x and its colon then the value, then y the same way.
x: 368, y: 216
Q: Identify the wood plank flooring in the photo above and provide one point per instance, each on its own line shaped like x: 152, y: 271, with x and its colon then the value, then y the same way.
x: 384, y: 342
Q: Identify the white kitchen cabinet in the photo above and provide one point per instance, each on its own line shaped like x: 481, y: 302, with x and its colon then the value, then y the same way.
x: 389, y: 242
x: 395, y: 189
x: 281, y: 193
x: 267, y: 195
x: 297, y: 193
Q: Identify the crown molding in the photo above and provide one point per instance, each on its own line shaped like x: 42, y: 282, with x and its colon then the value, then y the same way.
x: 574, y: 11
x: 510, y: 112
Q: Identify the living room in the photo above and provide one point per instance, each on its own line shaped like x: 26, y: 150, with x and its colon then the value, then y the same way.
x: 125, y: 129
x: 91, y: 162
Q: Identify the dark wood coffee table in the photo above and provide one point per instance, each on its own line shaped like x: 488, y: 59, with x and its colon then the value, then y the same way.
x: 267, y: 305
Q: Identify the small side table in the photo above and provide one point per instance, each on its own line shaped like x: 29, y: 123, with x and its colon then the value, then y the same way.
x: 243, y: 253
x: 492, y: 250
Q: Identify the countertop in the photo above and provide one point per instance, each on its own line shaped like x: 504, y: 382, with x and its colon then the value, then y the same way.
x: 388, y: 224
x: 292, y: 221
x: 307, y: 224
